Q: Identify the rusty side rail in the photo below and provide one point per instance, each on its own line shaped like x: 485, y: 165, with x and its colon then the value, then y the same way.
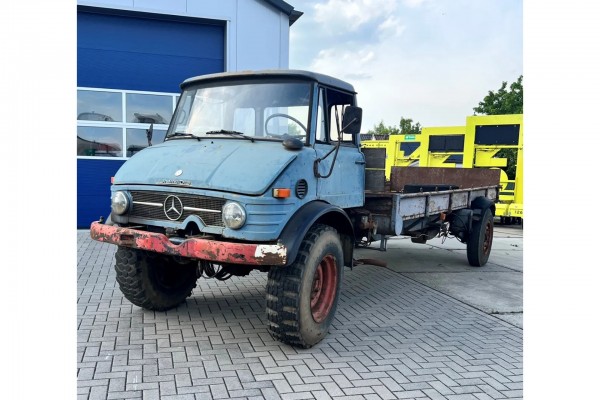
x: 416, y: 205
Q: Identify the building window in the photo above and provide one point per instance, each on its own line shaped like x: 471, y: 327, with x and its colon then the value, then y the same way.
x: 145, y: 108
x: 99, y: 106
x: 96, y: 141
x: 114, y: 123
x: 137, y: 139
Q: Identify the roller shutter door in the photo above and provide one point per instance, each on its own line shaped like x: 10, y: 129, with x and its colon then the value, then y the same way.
x: 135, y: 53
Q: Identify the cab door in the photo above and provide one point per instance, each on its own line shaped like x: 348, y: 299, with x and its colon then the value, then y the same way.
x: 341, y: 172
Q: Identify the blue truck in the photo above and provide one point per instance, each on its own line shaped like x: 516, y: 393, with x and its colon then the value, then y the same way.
x: 263, y: 171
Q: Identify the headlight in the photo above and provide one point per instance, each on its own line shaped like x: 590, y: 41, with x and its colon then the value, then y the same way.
x: 234, y: 215
x: 119, y: 203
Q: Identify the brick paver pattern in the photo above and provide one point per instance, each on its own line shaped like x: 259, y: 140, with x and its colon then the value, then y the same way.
x: 392, y: 338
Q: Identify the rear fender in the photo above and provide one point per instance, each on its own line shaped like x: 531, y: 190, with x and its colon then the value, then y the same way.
x: 313, y: 213
x: 480, y: 205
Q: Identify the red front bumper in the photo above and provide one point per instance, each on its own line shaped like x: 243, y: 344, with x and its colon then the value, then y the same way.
x: 201, y: 249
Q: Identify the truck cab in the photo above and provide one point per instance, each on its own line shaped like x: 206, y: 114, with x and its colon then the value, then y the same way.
x: 243, y: 153
x: 256, y: 172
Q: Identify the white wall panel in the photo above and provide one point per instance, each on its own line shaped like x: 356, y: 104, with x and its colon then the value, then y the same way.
x: 284, y: 41
x: 120, y: 4
x: 162, y: 6
x: 258, y: 36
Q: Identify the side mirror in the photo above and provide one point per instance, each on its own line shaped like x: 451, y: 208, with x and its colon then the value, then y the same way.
x: 352, y: 120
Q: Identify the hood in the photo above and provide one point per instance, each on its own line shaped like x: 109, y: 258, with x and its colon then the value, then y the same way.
x: 231, y: 165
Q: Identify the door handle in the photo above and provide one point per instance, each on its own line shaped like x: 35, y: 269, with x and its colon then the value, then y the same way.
x: 360, y: 162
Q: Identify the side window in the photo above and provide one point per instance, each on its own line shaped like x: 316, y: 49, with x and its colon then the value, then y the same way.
x: 336, y: 103
x: 321, y: 127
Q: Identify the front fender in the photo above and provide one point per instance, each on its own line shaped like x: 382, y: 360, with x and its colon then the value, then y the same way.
x: 310, y: 214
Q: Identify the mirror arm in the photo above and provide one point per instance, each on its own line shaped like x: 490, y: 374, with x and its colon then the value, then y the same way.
x: 318, y: 160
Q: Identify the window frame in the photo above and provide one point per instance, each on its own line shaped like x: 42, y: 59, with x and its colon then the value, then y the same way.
x: 329, y: 114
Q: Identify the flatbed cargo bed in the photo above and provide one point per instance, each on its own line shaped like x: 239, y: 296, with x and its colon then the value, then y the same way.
x: 399, y: 211
x: 415, y: 205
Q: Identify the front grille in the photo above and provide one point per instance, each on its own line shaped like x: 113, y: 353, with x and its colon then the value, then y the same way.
x: 153, y: 207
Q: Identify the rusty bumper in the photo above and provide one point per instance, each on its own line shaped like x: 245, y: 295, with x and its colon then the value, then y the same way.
x: 201, y: 249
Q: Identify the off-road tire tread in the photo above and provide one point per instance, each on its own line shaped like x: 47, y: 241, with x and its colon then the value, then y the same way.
x: 129, y: 274
x: 283, y: 287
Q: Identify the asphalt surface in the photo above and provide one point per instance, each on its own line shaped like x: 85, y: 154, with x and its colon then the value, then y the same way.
x: 427, y: 326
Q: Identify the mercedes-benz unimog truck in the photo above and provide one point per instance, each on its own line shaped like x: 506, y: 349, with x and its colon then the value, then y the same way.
x: 263, y: 171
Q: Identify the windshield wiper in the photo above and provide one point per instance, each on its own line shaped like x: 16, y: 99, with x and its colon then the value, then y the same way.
x: 183, y: 135
x: 226, y: 132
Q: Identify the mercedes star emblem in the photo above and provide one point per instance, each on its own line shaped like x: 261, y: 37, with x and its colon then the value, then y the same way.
x: 173, y: 208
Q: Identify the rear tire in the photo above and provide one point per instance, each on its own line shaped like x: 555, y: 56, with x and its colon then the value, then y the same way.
x: 479, y: 242
x: 302, y: 298
x: 152, y: 281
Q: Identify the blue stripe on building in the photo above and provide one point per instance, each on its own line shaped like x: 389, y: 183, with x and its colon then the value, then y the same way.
x: 93, y: 189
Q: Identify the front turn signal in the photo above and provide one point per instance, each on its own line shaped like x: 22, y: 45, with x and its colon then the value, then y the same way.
x: 282, y: 193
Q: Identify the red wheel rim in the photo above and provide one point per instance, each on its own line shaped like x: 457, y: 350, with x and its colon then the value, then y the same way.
x: 323, y: 288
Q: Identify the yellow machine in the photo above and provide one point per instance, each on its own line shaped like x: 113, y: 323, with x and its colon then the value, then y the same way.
x: 442, y: 146
x: 475, y: 145
x: 485, y: 136
x: 401, y: 150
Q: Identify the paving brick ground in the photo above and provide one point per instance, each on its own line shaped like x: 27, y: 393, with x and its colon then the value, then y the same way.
x: 393, y: 338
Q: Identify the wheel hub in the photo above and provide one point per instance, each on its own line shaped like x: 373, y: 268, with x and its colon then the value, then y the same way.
x: 323, y: 288
x: 487, y: 240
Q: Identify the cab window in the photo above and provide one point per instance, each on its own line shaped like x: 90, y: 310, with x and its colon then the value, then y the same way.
x: 336, y: 101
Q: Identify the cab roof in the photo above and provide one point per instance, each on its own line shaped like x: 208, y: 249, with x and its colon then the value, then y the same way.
x: 275, y: 73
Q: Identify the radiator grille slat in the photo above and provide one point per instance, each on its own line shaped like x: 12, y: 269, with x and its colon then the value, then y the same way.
x: 157, y: 212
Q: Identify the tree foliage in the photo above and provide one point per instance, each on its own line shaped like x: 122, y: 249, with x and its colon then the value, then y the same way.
x: 406, y: 127
x: 503, y: 101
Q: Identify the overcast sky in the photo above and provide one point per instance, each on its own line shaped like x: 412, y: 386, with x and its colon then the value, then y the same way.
x: 429, y: 60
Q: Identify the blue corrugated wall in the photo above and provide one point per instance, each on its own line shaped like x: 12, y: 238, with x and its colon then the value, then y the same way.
x: 136, y: 53
x: 118, y: 52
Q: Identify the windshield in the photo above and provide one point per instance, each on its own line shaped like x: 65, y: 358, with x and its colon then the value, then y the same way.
x: 261, y: 110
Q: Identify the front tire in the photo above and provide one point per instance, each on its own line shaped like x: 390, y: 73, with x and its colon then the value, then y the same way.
x: 152, y: 281
x: 302, y: 298
x: 479, y: 242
